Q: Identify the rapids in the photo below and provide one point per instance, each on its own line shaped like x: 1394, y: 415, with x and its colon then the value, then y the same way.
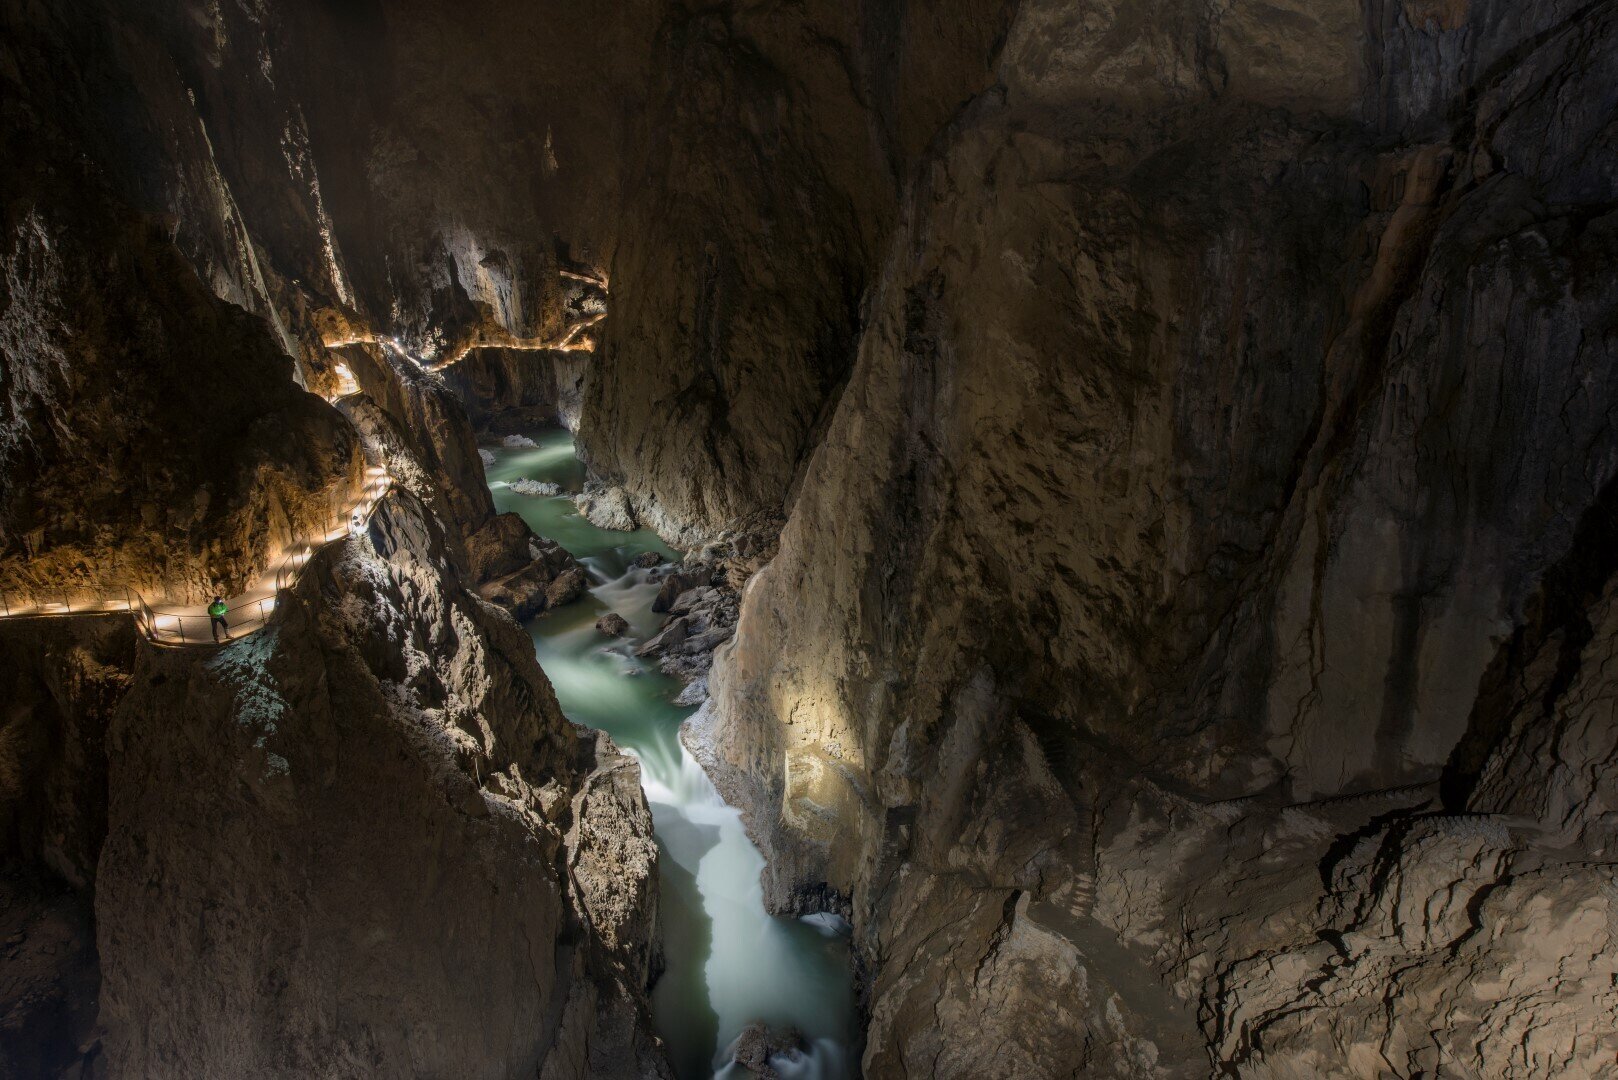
x: 729, y: 963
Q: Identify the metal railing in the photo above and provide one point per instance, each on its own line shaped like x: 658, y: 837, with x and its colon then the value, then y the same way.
x: 167, y: 626
x: 62, y: 601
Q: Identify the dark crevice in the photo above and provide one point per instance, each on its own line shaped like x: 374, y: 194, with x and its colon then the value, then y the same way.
x: 1557, y: 616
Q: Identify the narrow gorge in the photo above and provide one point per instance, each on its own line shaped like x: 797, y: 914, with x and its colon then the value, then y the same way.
x: 808, y: 540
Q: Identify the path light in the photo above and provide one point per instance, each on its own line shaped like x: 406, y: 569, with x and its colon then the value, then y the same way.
x: 168, y: 627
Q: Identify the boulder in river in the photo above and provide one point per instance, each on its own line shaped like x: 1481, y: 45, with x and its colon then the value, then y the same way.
x: 646, y: 560
x: 612, y: 624
x: 568, y: 586
x: 668, y: 637
x: 535, y: 487
x: 606, y: 507
x: 757, y: 1043
x: 487, y: 457
x: 675, y: 584
x: 518, y: 442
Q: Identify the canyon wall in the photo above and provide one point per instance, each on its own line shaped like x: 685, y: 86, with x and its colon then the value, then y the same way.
x: 151, y: 434
x: 1170, y: 657
x: 452, y: 930
x: 351, y: 170
x: 508, y: 392
x: 755, y: 205
x: 362, y: 840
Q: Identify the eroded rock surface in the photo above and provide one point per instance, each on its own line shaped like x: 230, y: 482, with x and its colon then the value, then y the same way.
x: 385, y: 695
x: 1225, y: 401
x: 756, y: 202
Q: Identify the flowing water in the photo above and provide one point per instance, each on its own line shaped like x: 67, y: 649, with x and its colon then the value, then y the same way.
x: 729, y: 962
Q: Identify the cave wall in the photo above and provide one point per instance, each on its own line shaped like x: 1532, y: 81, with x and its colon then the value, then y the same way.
x: 755, y: 204
x: 349, y: 170
x: 368, y: 814
x: 364, y: 839
x: 507, y: 391
x: 61, y: 683
x: 1188, y: 412
x: 1234, y: 376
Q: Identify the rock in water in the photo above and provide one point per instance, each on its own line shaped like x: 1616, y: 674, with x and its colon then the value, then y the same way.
x: 695, y: 693
x: 518, y: 442
x: 667, y: 638
x: 612, y: 624
x: 487, y: 457
x: 675, y: 584
x: 568, y: 586
x: 607, y: 507
x: 535, y: 487
x: 646, y: 560
x: 757, y: 1043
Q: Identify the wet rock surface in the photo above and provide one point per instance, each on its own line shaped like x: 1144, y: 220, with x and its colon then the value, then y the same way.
x: 755, y: 1046
x: 606, y: 507
x: 700, y: 605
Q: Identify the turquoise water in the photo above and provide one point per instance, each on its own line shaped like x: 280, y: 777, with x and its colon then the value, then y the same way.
x: 729, y: 963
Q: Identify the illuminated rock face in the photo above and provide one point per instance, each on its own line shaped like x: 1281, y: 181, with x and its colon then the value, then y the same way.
x: 363, y: 841
x: 151, y: 435
x: 1186, y: 651
x: 1183, y: 653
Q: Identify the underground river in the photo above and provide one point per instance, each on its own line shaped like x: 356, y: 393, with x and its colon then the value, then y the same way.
x: 729, y: 963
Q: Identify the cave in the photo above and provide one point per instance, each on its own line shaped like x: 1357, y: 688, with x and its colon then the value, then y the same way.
x: 991, y: 539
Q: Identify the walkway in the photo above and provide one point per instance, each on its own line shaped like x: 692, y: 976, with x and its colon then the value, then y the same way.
x: 572, y: 339
x: 179, y: 624
x: 176, y: 624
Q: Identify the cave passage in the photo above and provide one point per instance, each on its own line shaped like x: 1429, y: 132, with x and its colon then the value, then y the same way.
x: 729, y: 963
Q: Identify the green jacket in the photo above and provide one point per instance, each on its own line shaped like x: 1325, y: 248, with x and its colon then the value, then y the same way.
x: 217, y: 609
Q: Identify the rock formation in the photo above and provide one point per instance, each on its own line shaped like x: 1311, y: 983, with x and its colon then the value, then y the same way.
x: 385, y: 694
x: 756, y: 203
x: 1171, y: 623
x: 362, y: 840
x: 1166, y: 444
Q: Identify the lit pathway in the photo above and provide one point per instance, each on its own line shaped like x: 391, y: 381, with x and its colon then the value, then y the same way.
x: 180, y: 624
x: 572, y: 339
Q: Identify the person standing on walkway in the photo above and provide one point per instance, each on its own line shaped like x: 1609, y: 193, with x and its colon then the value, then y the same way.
x: 216, y: 617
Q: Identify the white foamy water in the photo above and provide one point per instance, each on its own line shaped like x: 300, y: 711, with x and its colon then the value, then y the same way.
x: 729, y: 963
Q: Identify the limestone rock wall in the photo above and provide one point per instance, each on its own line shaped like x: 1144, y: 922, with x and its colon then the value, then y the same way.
x: 151, y: 435
x: 61, y: 682
x: 250, y: 926
x: 1227, y: 394
x: 755, y: 205
x: 507, y: 391
x: 362, y: 841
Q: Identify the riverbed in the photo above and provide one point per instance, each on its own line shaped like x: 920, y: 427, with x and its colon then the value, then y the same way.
x: 729, y: 962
